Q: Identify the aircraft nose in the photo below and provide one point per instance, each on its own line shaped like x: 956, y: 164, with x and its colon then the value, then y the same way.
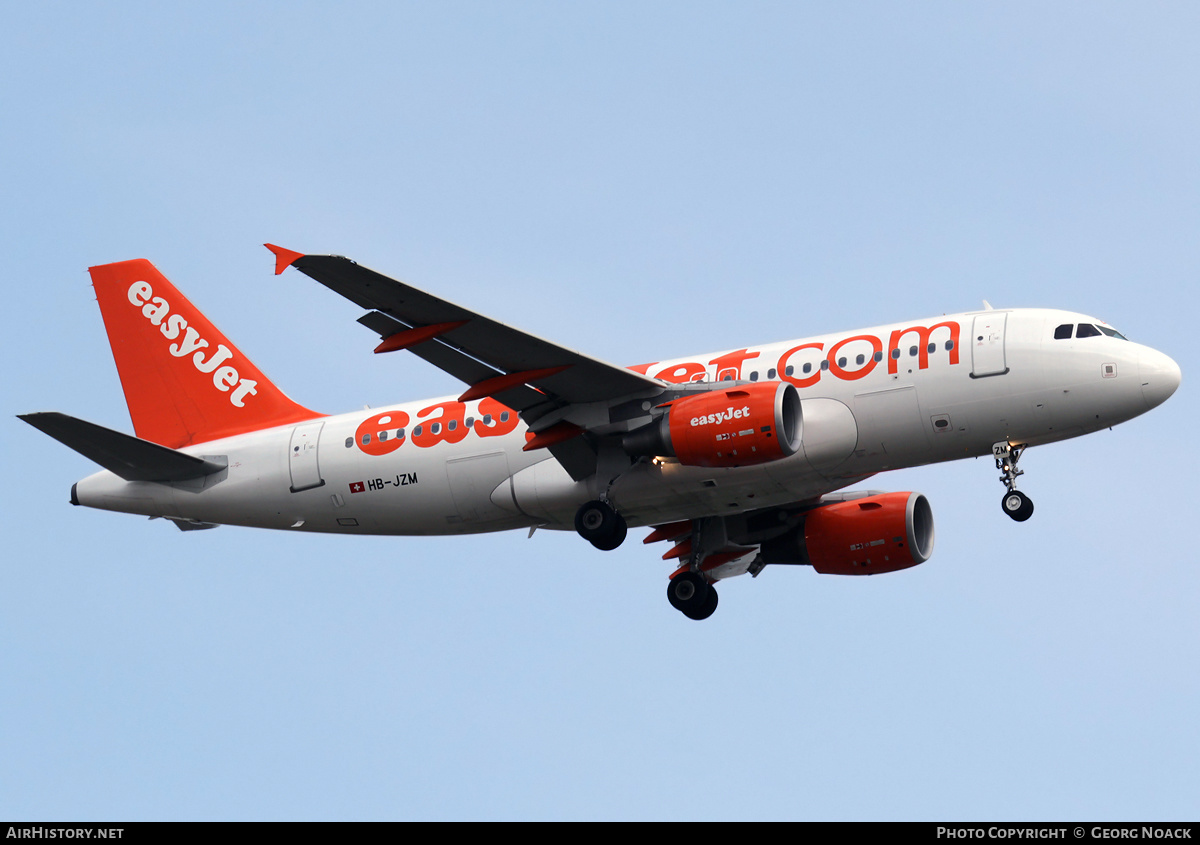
x: 1160, y: 376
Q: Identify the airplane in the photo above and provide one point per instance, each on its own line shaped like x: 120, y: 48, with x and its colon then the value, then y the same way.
x: 736, y: 460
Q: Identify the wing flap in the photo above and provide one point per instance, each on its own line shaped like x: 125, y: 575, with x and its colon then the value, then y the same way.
x: 576, y: 455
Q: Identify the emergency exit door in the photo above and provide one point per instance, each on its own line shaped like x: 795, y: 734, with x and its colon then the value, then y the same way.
x: 302, y: 456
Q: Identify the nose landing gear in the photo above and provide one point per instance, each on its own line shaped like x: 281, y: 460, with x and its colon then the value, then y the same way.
x: 1015, y: 503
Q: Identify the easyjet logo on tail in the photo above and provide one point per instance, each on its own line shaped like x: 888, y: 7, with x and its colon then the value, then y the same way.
x: 225, y: 378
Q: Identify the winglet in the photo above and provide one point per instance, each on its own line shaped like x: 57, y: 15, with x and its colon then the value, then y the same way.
x: 283, y: 257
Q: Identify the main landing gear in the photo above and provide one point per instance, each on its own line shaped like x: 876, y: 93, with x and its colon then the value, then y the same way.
x: 600, y: 524
x: 692, y: 595
x: 1015, y: 503
x: 689, y: 592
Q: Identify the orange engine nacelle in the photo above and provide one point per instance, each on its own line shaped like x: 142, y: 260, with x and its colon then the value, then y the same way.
x: 865, y: 536
x: 738, y: 426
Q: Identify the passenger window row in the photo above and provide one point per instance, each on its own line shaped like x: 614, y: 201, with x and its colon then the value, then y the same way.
x: 434, y: 428
x: 858, y: 360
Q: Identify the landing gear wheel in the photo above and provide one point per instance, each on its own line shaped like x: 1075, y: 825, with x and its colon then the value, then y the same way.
x: 616, y: 538
x: 600, y: 525
x: 1017, y: 505
x: 709, y: 608
x: 692, y: 596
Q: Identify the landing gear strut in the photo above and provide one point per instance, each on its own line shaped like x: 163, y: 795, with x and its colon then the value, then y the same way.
x: 692, y: 595
x: 1015, y: 503
x: 600, y: 524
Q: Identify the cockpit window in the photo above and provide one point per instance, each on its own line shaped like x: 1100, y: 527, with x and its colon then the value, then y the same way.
x: 1086, y: 330
x: 1063, y: 332
x: 1112, y: 332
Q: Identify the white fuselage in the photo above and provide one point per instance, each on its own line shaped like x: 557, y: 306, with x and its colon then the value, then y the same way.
x: 872, y: 400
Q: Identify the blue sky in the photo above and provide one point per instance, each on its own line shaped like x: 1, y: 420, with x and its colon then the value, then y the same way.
x: 636, y: 181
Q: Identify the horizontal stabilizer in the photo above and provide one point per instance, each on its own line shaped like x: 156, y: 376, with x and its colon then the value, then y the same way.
x: 122, y: 454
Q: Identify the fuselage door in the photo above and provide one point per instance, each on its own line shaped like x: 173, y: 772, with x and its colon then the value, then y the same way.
x: 302, y: 456
x: 987, y: 345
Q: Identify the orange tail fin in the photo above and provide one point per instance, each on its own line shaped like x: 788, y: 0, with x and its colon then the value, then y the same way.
x: 184, y: 381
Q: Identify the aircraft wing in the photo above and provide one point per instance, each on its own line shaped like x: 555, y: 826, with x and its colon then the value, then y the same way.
x: 523, y: 371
